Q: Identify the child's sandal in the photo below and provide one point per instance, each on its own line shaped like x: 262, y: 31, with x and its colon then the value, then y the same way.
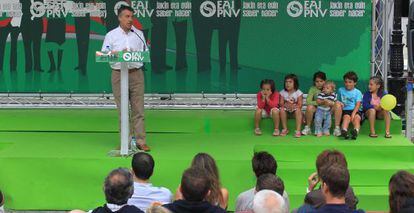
x: 257, y: 131
x: 276, y: 132
x: 298, y: 134
x: 284, y: 132
x: 388, y: 135
x: 373, y: 135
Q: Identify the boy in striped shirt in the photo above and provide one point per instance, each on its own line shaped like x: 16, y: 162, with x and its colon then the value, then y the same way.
x: 326, y: 100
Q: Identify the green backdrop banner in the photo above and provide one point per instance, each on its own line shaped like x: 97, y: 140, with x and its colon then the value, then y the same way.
x: 200, y: 45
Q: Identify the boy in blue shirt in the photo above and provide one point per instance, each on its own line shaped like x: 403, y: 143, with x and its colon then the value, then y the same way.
x: 348, y: 107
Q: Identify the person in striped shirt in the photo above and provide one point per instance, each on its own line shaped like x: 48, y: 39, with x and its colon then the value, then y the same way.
x: 326, y: 100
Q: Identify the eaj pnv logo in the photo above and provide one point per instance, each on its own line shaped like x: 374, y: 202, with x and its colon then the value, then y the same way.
x: 37, y: 9
x: 122, y: 56
x: 208, y: 9
x: 294, y: 9
x: 219, y: 9
x: 135, y: 56
x: 307, y: 9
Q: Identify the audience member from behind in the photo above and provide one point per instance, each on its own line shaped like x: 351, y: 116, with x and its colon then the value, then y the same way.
x: 118, y: 188
x: 335, y: 183
x: 270, y: 182
x: 1, y: 202
x: 144, y: 192
x: 195, y: 186
x: 268, y: 201
x: 157, y: 209
x: 218, y: 196
x: 266, y: 182
x: 401, y: 189
x: 262, y: 163
x: 315, y: 198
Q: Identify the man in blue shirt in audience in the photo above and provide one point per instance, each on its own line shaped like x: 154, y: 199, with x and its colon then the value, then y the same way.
x: 144, y: 192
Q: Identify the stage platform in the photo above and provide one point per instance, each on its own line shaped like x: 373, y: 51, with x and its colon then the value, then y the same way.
x: 57, y: 159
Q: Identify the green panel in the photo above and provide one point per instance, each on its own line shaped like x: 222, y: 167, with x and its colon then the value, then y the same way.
x: 267, y: 47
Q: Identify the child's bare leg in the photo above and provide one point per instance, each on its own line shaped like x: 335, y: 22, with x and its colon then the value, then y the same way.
x: 257, y: 118
x: 276, y: 117
x: 283, y: 118
x: 387, y: 118
x: 310, y: 111
x: 371, y: 114
x: 357, y: 122
x: 298, y: 118
x: 338, y: 114
x: 345, y: 121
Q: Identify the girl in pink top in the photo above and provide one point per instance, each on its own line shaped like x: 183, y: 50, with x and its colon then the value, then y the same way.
x: 267, y: 106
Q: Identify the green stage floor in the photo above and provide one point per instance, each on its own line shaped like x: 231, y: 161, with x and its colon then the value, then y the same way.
x: 57, y: 159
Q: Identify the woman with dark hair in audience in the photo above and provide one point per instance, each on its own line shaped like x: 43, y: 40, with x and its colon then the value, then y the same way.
x: 1, y: 202
x: 218, y: 196
x: 401, y: 189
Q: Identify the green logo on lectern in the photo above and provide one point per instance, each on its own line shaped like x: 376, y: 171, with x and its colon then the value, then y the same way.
x: 123, y: 56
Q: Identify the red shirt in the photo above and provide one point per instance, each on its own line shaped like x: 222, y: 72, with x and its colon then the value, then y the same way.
x: 268, y: 105
x: 4, y: 21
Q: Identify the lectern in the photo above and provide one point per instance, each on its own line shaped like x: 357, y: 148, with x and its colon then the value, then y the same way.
x: 124, y: 58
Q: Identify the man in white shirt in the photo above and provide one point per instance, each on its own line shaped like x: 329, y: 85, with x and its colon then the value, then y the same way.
x: 128, y: 38
x: 262, y: 163
x: 144, y: 192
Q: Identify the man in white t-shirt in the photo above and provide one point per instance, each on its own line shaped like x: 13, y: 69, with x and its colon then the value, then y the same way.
x: 144, y: 192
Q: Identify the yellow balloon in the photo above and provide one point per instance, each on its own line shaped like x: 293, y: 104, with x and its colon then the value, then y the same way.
x: 388, y: 102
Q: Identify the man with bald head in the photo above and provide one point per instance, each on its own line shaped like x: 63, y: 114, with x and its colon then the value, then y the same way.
x: 268, y: 201
x: 118, y: 188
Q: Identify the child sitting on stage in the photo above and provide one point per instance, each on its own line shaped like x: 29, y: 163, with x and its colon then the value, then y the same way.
x: 372, y: 108
x: 319, y: 79
x: 291, y: 104
x: 267, y: 106
x: 326, y: 100
x: 348, y: 106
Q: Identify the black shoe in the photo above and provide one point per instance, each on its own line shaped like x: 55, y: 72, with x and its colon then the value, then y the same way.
x: 344, y: 133
x: 354, y: 134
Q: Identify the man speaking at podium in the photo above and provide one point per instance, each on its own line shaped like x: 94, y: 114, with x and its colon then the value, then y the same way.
x: 127, y: 38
